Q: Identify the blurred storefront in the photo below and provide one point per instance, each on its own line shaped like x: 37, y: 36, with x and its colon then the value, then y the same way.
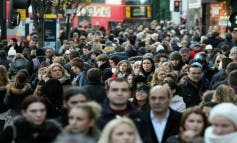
x: 111, y: 12
x: 215, y: 16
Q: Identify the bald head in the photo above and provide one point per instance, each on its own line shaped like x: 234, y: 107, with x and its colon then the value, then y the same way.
x: 159, y: 99
x: 161, y: 88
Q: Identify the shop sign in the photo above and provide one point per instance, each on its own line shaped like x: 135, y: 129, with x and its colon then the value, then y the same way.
x: 115, y: 2
x: 138, y: 11
x: 194, y: 4
x: 94, y: 11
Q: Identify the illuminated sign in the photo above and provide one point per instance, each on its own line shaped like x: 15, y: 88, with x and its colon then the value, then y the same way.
x: 138, y: 12
x: 116, y: 2
x: 137, y: 2
x: 94, y: 11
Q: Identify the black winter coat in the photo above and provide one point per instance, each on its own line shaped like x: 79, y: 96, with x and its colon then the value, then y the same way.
x: 22, y: 131
x: 192, y: 92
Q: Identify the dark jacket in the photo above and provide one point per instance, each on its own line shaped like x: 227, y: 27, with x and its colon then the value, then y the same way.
x: 3, y: 107
x: 108, y: 114
x: 192, y: 92
x: 106, y: 71
x: 17, y: 65
x: 22, y: 131
x: 96, y: 91
x: 219, y: 76
x: 132, y: 112
x: 15, y: 96
x: 146, y: 129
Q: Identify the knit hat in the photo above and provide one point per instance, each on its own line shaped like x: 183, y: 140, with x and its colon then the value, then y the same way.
x: 208, y: 47
x: 12, y: 52
x: 194, y: 44
x: 226, y: 110
x: 175, y: 56
x: 136, y: 64
x: 78, y: 62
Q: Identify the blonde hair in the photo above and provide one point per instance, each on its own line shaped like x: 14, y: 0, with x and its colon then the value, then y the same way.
x: 50, y: 68
x: 224, y: 93
x: 112, y: 125
x: 91, y: 107
x: 59, y: 59
x: 155, y: 79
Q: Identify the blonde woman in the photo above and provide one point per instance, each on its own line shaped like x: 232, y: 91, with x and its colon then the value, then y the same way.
x: 120, y: 130
x: 57, y: 71
x: 158, y: 77
x: 224, y: 93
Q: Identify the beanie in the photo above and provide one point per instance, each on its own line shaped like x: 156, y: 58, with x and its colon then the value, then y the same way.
x: 175, y: 56
x: 78, y: 62
x: 226, y: 110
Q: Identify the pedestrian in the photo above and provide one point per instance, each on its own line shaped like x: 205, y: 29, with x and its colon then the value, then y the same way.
x: 224, y: 124
x: 31, y: 126
x: 121, y: 130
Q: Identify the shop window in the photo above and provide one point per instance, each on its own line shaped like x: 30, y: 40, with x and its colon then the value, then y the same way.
x: 137, y: 2
x: 97, y: 1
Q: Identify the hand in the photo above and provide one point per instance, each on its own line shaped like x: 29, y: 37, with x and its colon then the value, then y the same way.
x: 188, y: 136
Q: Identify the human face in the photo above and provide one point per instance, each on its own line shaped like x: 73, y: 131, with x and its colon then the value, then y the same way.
x: 112, y: 64
x: 159, y: 99
x: 74, y: 100
x: 49, y: 53
x: 99, y: 63
x: 161, y: 75
x: 35, y: 113
x: 222, y: 126
x: 123, y: 67
x: 79, y: 121
x: 147, y: 65
x: 185, y: 56
x: 85, y: 51
x: 233, y: 55
x: 141, y: 95
x: 162, y: 60
x: 118, y: 94
x: 175, y: 62
x: 195, y: 123
x: 194, y: 74
x: 129, y: 79
x: 75, y: 69
x: 56, y: 72
x: 41, y: 74
x: 123, y: 133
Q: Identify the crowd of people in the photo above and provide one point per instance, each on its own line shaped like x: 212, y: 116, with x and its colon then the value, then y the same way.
x: 159, y: 83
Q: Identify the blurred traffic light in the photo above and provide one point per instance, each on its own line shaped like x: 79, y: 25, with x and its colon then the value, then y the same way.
x: 176, y: 6
x: 14, y: 16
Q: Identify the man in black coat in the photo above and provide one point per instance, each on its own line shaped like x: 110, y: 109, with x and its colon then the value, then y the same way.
x: 193, y: 88
x: 160, y: 122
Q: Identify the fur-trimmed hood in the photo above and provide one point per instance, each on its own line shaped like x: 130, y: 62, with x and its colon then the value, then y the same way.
x: 11, y: 89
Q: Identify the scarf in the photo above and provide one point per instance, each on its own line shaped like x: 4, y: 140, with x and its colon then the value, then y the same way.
x: 210, y: 137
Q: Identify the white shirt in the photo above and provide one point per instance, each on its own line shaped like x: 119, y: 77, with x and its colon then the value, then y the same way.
x: 159, y: 126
